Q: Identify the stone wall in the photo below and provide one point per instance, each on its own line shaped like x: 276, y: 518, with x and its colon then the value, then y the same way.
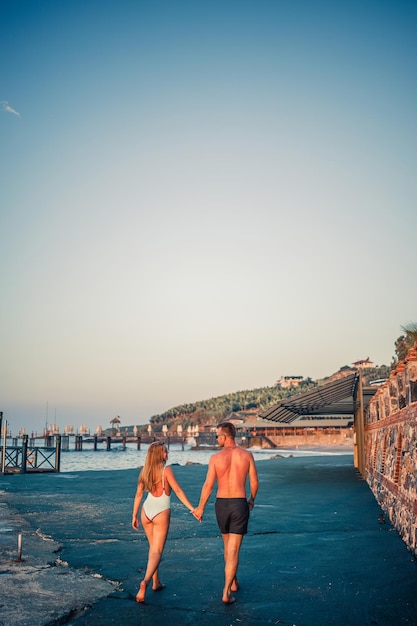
x: 391, y: 448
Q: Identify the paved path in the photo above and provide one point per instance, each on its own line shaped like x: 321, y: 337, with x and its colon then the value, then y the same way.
x: 318, y: 553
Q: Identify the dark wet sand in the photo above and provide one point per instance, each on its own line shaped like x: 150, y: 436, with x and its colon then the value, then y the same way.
x: 317, y: 552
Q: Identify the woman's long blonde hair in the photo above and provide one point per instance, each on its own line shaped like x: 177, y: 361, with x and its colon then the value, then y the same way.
x: 154, y: 462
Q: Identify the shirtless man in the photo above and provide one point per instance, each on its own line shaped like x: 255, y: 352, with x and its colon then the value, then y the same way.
x: 230, y: 467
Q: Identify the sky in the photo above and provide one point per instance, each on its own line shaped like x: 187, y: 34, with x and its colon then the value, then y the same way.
x: 199, y: 197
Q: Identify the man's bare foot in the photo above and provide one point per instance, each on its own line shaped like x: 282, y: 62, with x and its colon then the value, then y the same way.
x: 140, y: 596
x: 229, y: 600
x: 235, y: 585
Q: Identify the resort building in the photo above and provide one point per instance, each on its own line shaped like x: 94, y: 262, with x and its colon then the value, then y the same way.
x: 289, y: 381
x: 363, y: 364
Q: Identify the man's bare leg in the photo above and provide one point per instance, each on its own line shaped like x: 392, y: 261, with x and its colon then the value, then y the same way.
x: 232, y: 543
x: 235, y: 582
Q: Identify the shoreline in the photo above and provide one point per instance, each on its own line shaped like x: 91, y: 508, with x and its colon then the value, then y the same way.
x: 341, y: 448
x: 117, y: 458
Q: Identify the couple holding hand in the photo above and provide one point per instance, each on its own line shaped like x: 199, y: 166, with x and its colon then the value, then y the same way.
x: 230, y: 468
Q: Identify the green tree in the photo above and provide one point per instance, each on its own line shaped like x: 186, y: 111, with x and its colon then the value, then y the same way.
x: 405, y: 341
x: 410, y: 331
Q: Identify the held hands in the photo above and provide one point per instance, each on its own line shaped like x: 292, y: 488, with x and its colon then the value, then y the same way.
x: 198, y: 513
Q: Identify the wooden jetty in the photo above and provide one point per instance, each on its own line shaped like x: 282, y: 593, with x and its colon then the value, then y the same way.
x: 26, y: 454
x: 29, y: 457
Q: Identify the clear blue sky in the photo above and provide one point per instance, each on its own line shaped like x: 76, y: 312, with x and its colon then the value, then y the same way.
x: 199, y: 197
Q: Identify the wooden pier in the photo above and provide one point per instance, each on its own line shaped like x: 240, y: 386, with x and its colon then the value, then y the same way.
x: 76, y: 441
x: 28, y: 457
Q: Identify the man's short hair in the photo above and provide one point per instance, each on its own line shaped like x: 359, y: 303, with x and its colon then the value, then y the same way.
x: 228, y: 429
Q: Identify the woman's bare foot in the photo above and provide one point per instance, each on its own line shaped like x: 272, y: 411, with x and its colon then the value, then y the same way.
x: 158, y: 587
x: 140, y: 596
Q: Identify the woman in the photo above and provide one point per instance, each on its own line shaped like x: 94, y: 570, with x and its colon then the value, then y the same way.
x: 158, y: 481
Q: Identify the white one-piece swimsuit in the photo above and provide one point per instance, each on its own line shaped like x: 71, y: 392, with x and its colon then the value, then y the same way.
x: 154, y: 505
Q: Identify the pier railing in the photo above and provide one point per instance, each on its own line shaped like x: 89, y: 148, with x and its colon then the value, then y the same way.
x: 27, y: 458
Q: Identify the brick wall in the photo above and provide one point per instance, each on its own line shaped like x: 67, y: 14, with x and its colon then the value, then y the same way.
x: 391, y: 448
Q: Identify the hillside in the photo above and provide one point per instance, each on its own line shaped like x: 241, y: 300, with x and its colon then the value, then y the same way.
x: 214, y: 410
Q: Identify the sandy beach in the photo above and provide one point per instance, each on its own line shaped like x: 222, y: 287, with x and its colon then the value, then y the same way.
x: 318, y: 551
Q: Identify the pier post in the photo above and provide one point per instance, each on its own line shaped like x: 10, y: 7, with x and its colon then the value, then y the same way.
x: 24, y: 453
x: 182, y: 443
x: 57, y: 453
x: 95, y: 442
x: 108, y: 442
x: 139, y: 442
x: 3, y: 433
x: 78, y: 442
x: 123, y: 443
x: 19, y: 548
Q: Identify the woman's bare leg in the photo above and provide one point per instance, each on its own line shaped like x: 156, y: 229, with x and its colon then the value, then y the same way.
x: 156, y: 532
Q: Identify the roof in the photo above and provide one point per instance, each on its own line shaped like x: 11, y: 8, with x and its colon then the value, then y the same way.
x: 337, y: 397
x: 363, y: 361
x: 256, y: 423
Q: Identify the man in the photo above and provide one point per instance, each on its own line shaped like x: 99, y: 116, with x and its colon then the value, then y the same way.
x: 230, y: 467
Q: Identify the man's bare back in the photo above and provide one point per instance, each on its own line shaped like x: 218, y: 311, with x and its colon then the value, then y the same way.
x: 232, y: 466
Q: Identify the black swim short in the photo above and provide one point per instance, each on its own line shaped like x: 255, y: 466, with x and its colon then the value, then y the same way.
x: 232, y: 515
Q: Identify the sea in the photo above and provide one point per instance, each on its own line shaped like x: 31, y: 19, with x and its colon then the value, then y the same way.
x: 130, y: 458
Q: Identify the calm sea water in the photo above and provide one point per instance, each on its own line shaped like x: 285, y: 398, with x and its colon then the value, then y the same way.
x: 117, y: 458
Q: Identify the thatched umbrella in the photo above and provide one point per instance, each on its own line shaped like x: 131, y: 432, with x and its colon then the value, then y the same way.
x: 115, y: 423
